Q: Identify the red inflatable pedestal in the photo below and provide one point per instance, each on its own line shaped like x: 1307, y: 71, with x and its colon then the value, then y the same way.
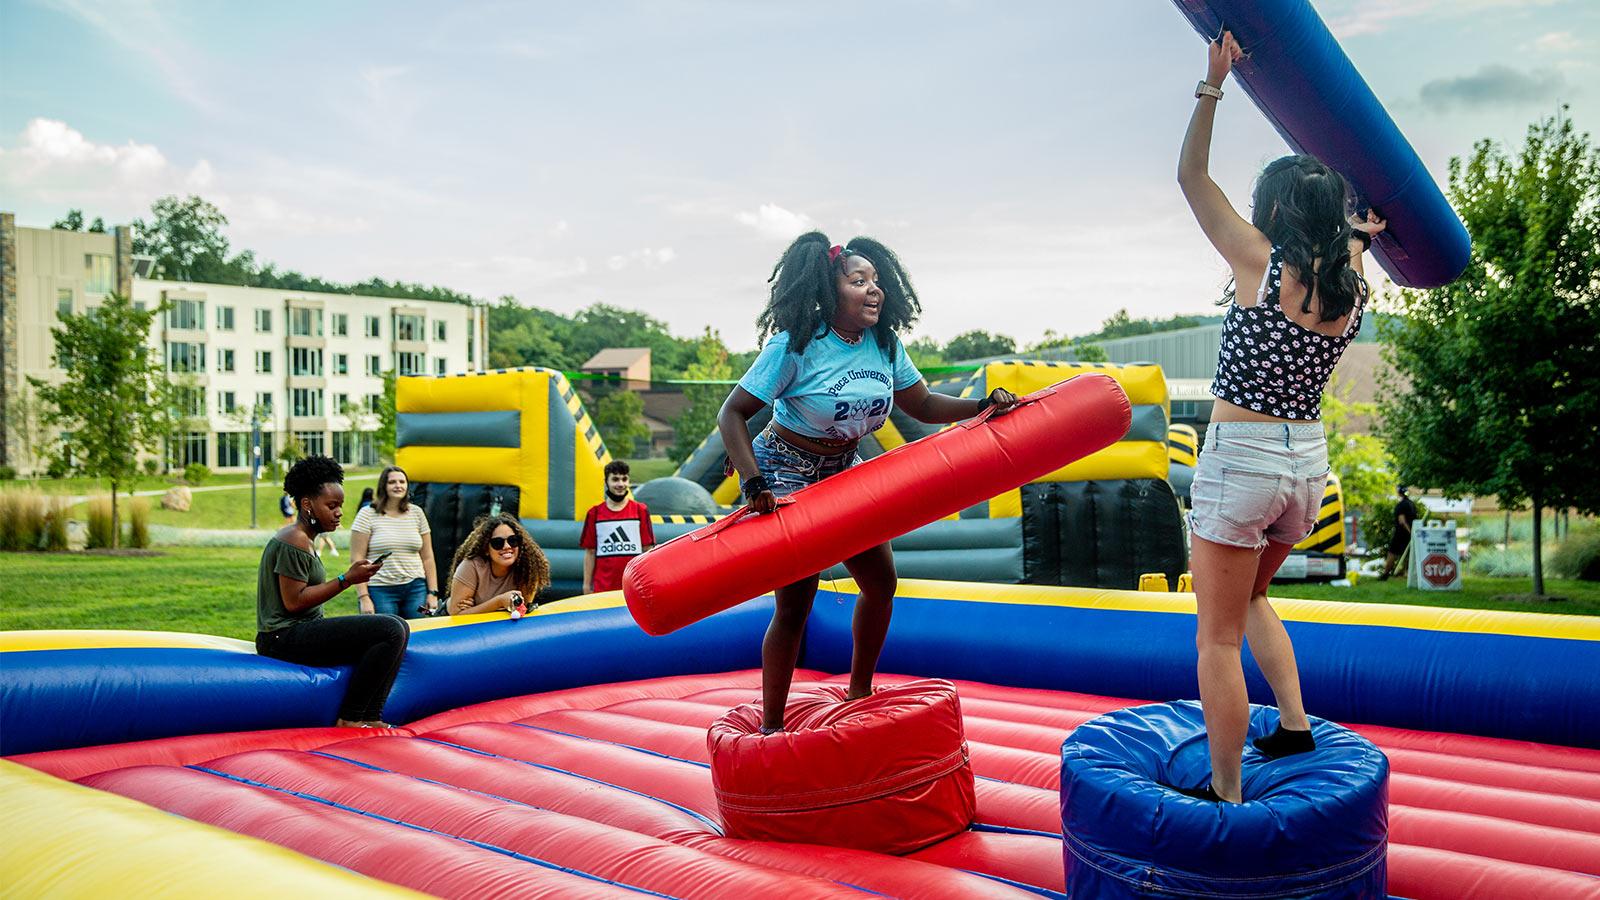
x: 887, y: 773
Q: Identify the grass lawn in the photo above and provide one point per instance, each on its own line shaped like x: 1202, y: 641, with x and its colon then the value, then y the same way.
x: 211, y: 590
x: 207, y: 590
x: 1582, y: 597
x: 642, y: 470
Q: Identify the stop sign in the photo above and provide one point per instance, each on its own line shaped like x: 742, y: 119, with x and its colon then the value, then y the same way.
x: 1438, y: 569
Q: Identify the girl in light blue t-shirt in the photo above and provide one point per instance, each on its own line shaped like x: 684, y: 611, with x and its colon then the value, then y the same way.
x: 831, y: 369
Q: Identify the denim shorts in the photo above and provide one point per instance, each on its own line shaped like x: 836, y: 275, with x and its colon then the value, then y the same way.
x: 1259, y: 482
x: 788, y: 468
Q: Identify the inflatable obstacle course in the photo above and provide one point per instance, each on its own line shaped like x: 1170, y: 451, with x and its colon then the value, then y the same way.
x: 582, y: 767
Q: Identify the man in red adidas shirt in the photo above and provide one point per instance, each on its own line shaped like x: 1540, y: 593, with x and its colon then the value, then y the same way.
x: 613, y: 533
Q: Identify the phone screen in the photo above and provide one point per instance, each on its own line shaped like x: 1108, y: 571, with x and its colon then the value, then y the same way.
x: 381, y: 557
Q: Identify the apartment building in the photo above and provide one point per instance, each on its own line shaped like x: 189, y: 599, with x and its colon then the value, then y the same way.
x: 305, y: 365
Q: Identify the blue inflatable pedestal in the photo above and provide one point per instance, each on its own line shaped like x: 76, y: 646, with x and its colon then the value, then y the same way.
x: 1314, y: 825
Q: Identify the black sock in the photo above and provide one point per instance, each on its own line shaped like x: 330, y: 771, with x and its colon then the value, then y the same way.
x: 1285, y: 742
x: 1201, y: 793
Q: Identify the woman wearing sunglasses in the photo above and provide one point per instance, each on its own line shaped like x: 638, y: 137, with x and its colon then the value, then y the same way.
x: 497, y: 567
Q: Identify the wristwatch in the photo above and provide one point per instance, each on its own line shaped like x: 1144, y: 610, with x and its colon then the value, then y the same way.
x: 1205, y: 89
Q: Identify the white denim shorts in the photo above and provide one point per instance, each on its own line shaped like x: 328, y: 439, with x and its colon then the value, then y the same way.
x: 1259, y: 482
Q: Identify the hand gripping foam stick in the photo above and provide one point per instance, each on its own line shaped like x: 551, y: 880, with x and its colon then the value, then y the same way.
x: 746, y: 555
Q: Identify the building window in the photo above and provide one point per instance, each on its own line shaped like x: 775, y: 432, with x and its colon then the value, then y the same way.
x: 410, y: 363
x: 233, y: 450
x: 367, y: 449
x: 192, y: 448
x: 305, y: 322
x: 264, y: 321
x: 471, y: 358
x: 340, y: 326
x: 191, y: 401
x: 340, y: 401
x: 408, y: 328
x: 187, y: 314
x: 374, y: 365
x: 263, y: 362
x: 63, y: 302
x: 263, y: 404
x: 224, y: 320
x: 438, y: 330
x: 224, y: 360
x: 372, y: 326
x: 374, y: 401
x: 312, y: 441
x: 343, y: 448
x: 305, y: 361
x: 183, y: 357
x: 305, y: 402
x: 341, y: 364
x: 266, y: 447
x: 439, y: 366
x: 97, y: 273
x: 226, y: 403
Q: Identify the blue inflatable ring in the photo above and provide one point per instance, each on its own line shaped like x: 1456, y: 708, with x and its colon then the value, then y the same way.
x: 1313, y: 825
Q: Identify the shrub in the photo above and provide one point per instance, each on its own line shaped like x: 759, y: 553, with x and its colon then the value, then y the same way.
x: 196, y: 473
x: 139, y: 522
x: 99, y: 521
x: 152, y: 466
x: 55, y: 529
x: 56, y: 469
x: 1578, y: 556
x: 21, y: 520
x: 8, y: 473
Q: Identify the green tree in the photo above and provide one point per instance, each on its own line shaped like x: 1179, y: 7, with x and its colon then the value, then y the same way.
x: 925, y: 352
x: 978, y: 345
x: 1496, y: 381
x: 114, y: 399
x: 1366, y: 474
x: 72, y: 221
x: 383, y: 437
x: 711, y: 364
x: 620, y: 417
x: 525, y: 336
x: 185, y: 237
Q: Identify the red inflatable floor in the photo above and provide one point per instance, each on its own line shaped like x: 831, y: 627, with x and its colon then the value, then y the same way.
x: 605, y: 791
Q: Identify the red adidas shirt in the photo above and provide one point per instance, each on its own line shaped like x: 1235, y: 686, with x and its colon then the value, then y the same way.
x: 615, y: 536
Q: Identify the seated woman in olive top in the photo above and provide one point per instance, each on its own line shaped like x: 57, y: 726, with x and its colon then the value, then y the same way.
x: 497, y: 567
x: 291, y: 587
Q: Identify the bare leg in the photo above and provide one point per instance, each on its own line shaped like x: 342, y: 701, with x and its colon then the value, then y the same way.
x: 1270, y: 645
x: 780, y: 650
x: 1223, y: 578
x: 873, y: 571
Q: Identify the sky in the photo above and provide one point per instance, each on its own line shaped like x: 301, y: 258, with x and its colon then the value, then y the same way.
x: 1018, y: 156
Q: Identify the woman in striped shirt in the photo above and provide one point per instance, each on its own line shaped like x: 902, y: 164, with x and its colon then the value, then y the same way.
x: 408, y: 584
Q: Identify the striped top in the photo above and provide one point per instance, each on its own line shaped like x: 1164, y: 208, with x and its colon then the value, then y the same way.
x: 402, y: 534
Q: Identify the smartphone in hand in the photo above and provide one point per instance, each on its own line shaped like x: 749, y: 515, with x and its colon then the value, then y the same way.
x: 381, y: 557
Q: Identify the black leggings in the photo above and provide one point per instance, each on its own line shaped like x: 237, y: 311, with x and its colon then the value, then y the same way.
x: 374, y: 643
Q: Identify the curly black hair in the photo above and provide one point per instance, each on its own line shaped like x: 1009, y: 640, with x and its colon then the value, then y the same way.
x: 1302, y: 207
x: 306, y: 477
x: 805, y: 292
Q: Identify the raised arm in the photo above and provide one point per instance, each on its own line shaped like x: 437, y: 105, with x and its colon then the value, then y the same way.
x: 1240, y: 243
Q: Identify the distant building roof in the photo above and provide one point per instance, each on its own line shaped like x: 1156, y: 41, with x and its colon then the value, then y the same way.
x: 617, y: 358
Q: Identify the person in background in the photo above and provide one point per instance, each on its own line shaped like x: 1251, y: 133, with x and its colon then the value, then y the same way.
x: 395, y: 529
x: 366, y: 499
x: 1405, y: 515
x: 292, y: 586
x: 614, y: 531
x: 286, y: 508
x: 498, y: 567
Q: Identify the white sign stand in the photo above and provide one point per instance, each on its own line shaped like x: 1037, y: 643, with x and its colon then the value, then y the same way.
x: 1435, y: 560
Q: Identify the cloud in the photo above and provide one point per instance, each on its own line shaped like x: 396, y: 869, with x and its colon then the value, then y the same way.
x: 142, y: 29
x: 648, y: 257
x: 55, y: 165
x: 1557, y: 42
x: 1366, y: 17
x: 1494, y: 85
x: 772, y: 220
